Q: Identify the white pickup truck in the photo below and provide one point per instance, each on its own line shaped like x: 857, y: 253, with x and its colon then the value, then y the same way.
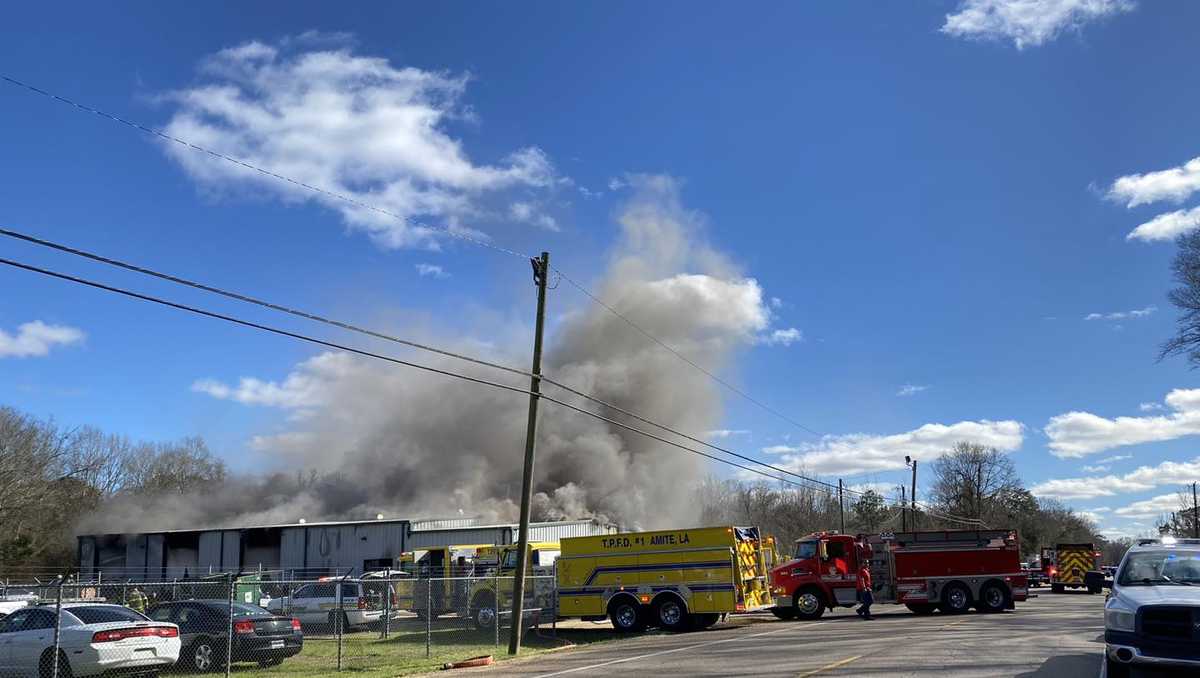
x: 1152, y: 617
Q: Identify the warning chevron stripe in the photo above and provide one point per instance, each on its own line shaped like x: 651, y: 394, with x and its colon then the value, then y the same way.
x: 1073, y: 564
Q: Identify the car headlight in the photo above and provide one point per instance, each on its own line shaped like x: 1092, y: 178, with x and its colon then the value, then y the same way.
x: 1119, y: 620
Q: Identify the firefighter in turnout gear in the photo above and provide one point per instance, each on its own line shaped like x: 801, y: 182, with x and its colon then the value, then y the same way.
x: 136, y: 600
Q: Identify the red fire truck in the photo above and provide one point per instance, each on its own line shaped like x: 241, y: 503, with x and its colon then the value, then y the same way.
x: 949, y: 571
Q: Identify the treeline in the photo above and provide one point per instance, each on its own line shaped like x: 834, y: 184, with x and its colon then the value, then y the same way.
x: 970, y: 482
x: 51, y: 477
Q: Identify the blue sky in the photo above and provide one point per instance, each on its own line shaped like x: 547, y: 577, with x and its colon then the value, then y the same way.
x: 934, y: 202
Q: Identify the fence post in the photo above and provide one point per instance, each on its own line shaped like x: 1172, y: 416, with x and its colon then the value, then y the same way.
x: 337, y: 623
x: 58, y: 623
x: 387, y: 606
x: 229, y: 628
x: 496, y: 604
x: 428, y: 615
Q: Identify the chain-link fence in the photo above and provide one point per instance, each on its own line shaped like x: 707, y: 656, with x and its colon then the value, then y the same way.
x: 381, y: 624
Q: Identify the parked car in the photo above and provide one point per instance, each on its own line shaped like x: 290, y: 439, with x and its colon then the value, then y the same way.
x: 258, y: 635
x: 362, y: 603
x: 94, y: 639
x: 1150, y: 618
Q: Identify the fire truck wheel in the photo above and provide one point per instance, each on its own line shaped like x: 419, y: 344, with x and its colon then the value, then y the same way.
x: 993, y: 597
x: 670, y: 613
x: 1115, y: 669
x: 809, y: 604
x: 483, y: 612
x: 956, y: 599
x: 921, y: 608
x: 626, y: 615
x: 699, y: 622
x: 784, y: 612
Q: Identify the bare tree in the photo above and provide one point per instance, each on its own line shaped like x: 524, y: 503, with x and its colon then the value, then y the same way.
x: 973, y: 481
x: 1186, y: 297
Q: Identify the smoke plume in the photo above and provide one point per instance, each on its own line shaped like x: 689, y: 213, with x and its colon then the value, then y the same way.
x: 387, y: 439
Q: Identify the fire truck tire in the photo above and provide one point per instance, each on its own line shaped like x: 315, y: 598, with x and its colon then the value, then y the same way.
x: 993, y: 597
x: 1057, y: 588
x: 483, y: 612
x: 670, y: 613
x: 809, y: 603
x: 1115, y: 669
x: 956, y: 599
x: 626, y: 615
x: 699, y: 622
x: 921, y: 608
x: 784, y: 612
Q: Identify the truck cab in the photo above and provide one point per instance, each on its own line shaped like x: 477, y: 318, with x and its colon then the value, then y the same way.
x: 823, y: 572
x: 1152, y: 617
x: 491, y: 585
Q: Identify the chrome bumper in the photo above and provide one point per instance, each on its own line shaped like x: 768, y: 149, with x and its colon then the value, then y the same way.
x: 1135, y: 656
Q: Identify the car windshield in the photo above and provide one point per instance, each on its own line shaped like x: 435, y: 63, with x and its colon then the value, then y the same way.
x: 1161, y: 567
x: 806, y: 549
x: 100, y: 614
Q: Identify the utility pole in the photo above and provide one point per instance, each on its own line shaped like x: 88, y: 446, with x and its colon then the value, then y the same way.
x: 912, y: 496
x: 1195, y: 514
x: 541, y: 270
x: 903, y: 515
x: 841, y: 506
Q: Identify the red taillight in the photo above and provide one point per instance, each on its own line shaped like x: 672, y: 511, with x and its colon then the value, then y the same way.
x: 362, y: 603
x: 1053, y: 571
x: 295, y: 624
x: 243, y: 627
x: 139, y: 632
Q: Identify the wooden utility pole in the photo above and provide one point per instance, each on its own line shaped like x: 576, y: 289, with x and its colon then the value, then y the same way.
x: 1195, y: 514
x: 841, y: 506
x: 541, y: 269
x: 903, y: 513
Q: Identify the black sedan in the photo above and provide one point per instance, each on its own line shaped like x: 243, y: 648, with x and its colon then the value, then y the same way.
x: 258, y: 635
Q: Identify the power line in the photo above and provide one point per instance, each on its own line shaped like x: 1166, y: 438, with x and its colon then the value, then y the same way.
x: 391, y: 359
x: 406, y: 342
x: 449, y: 231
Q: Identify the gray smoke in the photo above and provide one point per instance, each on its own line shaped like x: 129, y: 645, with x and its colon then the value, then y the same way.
x: 401, y: 442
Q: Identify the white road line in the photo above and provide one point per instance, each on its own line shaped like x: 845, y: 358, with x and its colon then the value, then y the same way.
x: 662, y: 652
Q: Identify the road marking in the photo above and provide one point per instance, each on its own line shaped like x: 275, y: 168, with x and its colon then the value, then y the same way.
x: 662, y: 652
x: 828, y: 667
x: 955, y: 623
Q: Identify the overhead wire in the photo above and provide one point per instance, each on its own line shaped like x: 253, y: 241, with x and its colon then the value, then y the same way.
x: 406, y: 342
x: 391, y: 359
x: 374, y: 208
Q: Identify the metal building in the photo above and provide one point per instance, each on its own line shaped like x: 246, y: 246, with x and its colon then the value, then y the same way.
x: 299, y: 549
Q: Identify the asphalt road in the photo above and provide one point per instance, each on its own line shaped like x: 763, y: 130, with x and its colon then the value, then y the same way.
x: 1052, y: 636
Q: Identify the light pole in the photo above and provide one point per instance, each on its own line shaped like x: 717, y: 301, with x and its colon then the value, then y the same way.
x: 912, y: 495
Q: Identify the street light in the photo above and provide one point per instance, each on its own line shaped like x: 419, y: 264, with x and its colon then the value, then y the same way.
x: 909, y: 461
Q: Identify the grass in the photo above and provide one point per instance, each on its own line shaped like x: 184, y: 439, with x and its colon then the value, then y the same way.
x: 366, y: 655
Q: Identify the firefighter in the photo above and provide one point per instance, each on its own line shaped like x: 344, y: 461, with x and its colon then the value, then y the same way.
x: 136, y: 600
x: 864, y: 593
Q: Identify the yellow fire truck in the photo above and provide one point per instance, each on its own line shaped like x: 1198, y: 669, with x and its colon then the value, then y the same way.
x: 490, y: 588
x: 1076, y: 566
x: 673, y: 579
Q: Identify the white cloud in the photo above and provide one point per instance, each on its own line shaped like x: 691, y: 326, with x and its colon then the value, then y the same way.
x: 1097, y: 468
x: 1122, y: 315
x: 1174, y: 185
x: 350, y: 124
x: 1150, y: 508
x: 776, y: 303
x: 35, y: 339
x: 1167, y: 226
x: 1076, y: 434
x: 305, y: 387
x: 1115, y: 457
x: 723, y: 433
x: 528, y: 213
x: 616, y: 184
x: 1149, y: 407
x: 1028, y: 23
x: 863, y: 453
x: 1139, y: 480
x: 431, y: 271
x: 885, y: 489
x: 785, y: 337
x: 291, y: 441
x: 911, y: 389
